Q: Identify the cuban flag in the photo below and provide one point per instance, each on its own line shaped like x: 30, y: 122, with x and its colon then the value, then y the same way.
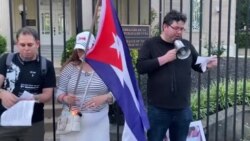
x: 111, y: 60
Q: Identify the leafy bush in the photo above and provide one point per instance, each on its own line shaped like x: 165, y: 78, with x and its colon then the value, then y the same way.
x: 3, y: 44
x: 214, y: 48
x: 222, y: 104
x: 68, y: 49
x: 134, y: 56
x: 155, y: 30
x: 242, y: 40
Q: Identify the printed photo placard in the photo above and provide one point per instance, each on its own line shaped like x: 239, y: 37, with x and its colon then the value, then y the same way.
x: 195, y: 133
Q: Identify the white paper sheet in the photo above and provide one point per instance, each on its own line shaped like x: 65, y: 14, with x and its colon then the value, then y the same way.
x: 203, y: 62
x: 19, y: 114
x: 26, y: 96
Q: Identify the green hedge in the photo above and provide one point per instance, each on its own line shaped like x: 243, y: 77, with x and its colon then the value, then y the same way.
x: 242, y: 40
x: 3, y: 44
x: 68, y: 49
x: 221, y: 98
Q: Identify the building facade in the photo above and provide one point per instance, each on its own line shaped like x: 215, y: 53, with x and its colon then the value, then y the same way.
x: 208, y: 21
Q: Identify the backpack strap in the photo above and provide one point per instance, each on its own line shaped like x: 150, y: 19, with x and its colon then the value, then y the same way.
x: 43, y: 62
x: 43, y: 66
x: 9, y: 59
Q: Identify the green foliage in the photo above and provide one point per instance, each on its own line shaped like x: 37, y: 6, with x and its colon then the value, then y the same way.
x: 225, y: 100
x: 68, y: 50
x: 215, y: 48
x: 3, y: 44
x: 134, y: 56
x: 153, y: 15
x: 155, y: 28
x: 242, y: 40
x: 242, y: 14
x: 242, y: 22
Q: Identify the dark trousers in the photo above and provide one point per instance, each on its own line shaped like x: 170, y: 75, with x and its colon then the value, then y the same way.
x: 161, y: 119
x: 23, y: 133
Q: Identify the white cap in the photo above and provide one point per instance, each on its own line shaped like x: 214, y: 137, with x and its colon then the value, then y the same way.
x: 82, y: 39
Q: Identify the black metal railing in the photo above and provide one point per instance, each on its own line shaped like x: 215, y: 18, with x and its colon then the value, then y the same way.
x: 213, y: 25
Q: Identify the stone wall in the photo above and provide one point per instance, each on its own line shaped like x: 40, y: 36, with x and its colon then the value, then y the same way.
x: 230, y: 134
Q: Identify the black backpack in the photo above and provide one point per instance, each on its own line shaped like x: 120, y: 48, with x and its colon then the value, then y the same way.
x: 43, y: 63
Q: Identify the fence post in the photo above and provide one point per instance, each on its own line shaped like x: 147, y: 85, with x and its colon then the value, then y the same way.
x: 79, y: 26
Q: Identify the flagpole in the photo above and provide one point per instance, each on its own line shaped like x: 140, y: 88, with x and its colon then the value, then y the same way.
x: 95, y: 16
x: 89, y: 36
x: 93, y: 22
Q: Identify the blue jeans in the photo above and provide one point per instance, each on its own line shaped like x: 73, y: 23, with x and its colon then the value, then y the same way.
x: 161, y: 119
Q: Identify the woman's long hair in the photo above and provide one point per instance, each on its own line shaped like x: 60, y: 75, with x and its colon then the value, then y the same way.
x: 74, y: 59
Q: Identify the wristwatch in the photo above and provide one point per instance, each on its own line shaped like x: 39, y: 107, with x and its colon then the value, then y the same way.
x: 37, y: 98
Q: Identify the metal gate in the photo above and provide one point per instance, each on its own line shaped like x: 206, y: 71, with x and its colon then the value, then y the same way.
x: 220, y: 98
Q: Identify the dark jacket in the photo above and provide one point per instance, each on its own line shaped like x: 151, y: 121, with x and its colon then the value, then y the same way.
x: 168, y: 86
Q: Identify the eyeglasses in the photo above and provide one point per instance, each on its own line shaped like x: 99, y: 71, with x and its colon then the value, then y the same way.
x: 28, y: 44
x: 177, y: 28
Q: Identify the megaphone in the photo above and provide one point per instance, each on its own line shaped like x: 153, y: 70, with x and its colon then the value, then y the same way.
x: 182, y: 51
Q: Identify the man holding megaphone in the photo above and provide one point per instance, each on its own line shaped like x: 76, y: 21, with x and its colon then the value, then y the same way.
x: 168, y: 60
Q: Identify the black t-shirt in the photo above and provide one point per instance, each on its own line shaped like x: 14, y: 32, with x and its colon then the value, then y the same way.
x: 27, y: 76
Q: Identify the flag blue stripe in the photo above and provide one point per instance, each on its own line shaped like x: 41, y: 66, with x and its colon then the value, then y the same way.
x: 123, y: 97
x: 130, y: 67
x: 130, y: 103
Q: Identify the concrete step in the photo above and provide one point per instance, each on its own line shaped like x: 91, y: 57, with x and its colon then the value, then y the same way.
x: 50, y: 103
x: 113, y: 134
x: 49, y: 137
x: 48, y: 121
x: 48, y: 112
x: 48, y: 124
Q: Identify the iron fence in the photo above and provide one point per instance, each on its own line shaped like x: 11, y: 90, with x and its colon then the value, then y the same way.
x: 222, y: 95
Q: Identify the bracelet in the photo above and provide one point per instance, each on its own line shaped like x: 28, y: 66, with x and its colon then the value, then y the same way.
x: 109, y: 98
x: 62, y: 100
x: 37, y: 98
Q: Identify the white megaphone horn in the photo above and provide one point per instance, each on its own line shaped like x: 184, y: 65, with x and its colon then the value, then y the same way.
x: 182, y: 51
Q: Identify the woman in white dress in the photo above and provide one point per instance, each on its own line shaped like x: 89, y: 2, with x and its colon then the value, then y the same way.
x: 94, y: 105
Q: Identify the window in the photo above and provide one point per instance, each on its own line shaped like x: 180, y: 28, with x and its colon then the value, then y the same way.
x: 45, y: 23
x: 60, y: 24
x: 196, y: 15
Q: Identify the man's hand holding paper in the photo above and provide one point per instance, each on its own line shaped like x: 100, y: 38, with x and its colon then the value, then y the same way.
x: 9, y: 99
x: 207, y: 62
x: 213, y: 62
x: 26, y: 96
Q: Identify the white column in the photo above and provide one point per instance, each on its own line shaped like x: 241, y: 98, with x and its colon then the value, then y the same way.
x: 87, y: 16
x: 232, y: 51
x: 5, y: 21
